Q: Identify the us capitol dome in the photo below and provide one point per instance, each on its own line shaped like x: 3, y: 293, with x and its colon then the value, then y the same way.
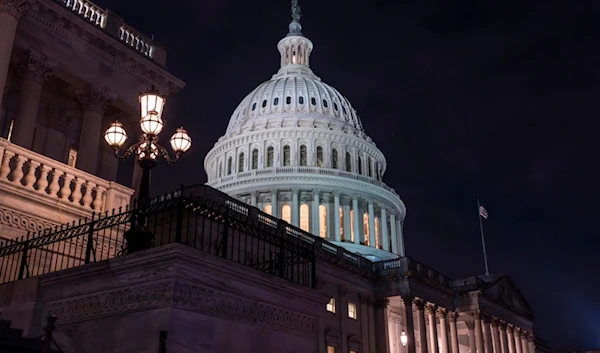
x: 296, y: 149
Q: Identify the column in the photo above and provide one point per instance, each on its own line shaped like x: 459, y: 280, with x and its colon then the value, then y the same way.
x: 34, y: 69
x: 253, y: 198
x: 336, y: 215
x: 472, y: 340
x: 347, y: 220
x: 95, y: 100
x: 453, y: 315
x: 421, y: 324
x: 531, y: 343
x: 372, y: 242
x: 10, y: 13
x: 381, y: 326
x: 478, y: 333
x: 524, y: 345
x: 315, y: 218
x: 517, y: 338
x: 503, y: 337
x: 489, y: 348
x: 355, y: 219
x: 410, y: 324
x: 433, y: 334
x: 295, y: 208
x: 384, y: 229
x: 400, y: 231
x: 274, y: 203
x: 394, y: 234
x: 510, y: 335
x: 496, y: 336
x: 442, y: 315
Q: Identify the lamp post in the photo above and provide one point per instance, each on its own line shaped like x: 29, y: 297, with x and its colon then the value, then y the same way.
x: 146, y: 150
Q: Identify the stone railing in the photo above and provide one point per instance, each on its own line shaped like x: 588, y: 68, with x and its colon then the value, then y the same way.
x: 116, y: 27
x: 24, y: 170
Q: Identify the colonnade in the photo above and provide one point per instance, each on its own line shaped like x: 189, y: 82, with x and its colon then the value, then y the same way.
x: 335, y: 216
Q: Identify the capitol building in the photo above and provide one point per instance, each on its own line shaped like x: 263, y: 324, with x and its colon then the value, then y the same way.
x: 295, y: 244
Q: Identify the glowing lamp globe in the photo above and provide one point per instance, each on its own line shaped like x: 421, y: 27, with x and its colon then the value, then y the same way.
x: 151, y: 103
x: 152, y: 151
x: 403, y: 339
x: 115, y: 135
x: 151, y: 124
x: 181, y: 141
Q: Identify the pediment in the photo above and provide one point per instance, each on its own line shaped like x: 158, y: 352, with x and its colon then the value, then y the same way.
x: 505, y: 292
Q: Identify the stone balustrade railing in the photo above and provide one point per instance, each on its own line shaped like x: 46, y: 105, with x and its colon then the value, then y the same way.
x: 27, y: 170
x: 87, y: 10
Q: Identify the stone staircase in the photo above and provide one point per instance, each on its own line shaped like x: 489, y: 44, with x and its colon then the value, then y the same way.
x: 12, y: 340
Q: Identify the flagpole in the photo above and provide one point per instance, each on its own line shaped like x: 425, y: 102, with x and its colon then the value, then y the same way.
x: 487, y: 272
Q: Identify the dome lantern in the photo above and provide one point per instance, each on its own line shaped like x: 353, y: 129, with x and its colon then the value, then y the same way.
x: 294, y: 47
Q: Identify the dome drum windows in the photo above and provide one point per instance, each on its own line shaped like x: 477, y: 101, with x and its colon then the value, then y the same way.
x: 270, y: 156
x: 320, y: 157
x: 348, y: 162
x: 241, y: 162
x: 286, y: 156
x: 229, y: 165
x: 334, y: 159
x: 255, y: 158
x: 325, y: 104
x: 313, y: 101
x: 300, y: 100
x: 303, y: 155
x: 276, y: 101
x: 264, y: 103
x: 360, y: 165
x: 288, y: 100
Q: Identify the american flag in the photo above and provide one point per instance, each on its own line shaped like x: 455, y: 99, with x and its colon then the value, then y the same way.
x: 483, y: 212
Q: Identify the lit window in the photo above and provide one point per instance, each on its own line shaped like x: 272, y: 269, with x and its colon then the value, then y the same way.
x: 304, y: 217
x: 270, y: 154
x: 366, y: 227
x: 342, y: 223
x: 334, y: 159
x: 10, y: 130
x: 352, y: 232
x: 229, y: 165
x: 330, y: 349
x: 241, y: 162
x: 286, y: 155
x: 352, y: 311
x: 72, y: 157
x: 268, y: 209
x: 254, y: 158
x: 348, y: 162
x: 331, y: 305
x: 286, y: 212
x: 319, y: 156
x: 303, y: 155
x: 323, y: 221
x: 352, y: 351
x: 377, y: 242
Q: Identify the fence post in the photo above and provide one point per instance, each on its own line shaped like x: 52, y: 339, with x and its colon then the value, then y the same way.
x: 162, y: 341
x: 24, y: 257
x: 90, y: 241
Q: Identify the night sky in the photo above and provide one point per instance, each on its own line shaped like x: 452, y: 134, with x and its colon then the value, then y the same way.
x: 489, y: 99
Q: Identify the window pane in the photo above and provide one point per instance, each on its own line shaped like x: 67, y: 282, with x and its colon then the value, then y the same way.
x: 270, y: 155
x: 241, y: 162
x: 342, y: 223
x: 229, y: 165
x: 268, y: 209
x: 286, y: 155
x: 348, y: 162
x: 254, y: 158
x: 377, y: 242
x: 366, y: 227
x: 323, y: 221
x: 286, y: 212
x: 304, y: 217
x: 303, y: 155
x: 334, y: 159
x: 320, y: 156
x: 331, y: 305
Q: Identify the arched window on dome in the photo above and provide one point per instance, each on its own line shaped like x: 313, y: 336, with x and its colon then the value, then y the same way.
x: 229, y: 165
x: 377, y: 171
x: 313, y: 101
x: 286, y: 155
x: 366, y: 227
x: 319, y: 156
x: 288, y: 100
x: 270, y: 156
x: 304, y: 217
x: 268, y: 209
x: 264, y: 103
x: 255, y: 158
x: 286, y: 212
x: 348, y: 162
x: 300, y: 100
x: 276, y: 101
x: 325, y: 103
x: 377, y: 240
x: 334, y: 159
x: 369, y: 168
x: 241, y: 162
x: 360, y: 165
x: 303, y: 155
x: 323, y: 221
x: 352, y: 230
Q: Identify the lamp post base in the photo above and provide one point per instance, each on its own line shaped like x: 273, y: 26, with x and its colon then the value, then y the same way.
x: 138, y: 240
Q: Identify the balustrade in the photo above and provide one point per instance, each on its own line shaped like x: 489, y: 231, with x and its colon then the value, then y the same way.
x: 28, y: 170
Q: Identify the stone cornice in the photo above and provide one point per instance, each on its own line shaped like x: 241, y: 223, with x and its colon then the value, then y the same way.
x: 16, y: 8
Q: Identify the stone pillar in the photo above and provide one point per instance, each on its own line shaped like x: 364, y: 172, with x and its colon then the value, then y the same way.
x: 478, y: 333
x: 531, y: 343
x: 347, y: 221
x: 433, y: 333
x: 253, y: 198
x: 496, y: 336
x: 34, y: 69
x: 472, y: 340
x: 95, y: 100
x: 442, y: 315
x: 394, y: 234
x: 372, y: 241
x: 355, y: 219
x: 453, y: 315
x: 517, y: 338
x: 510, y: 335
x: 524, y: 345
x: 295, y: 208
x: 421, y: 324
x: 381, y: 325
x: 410, y: 324
x: 489, y: 348
x: 11, y: 11
x: 503, y: 338
x: 315, y: 221
x: 275, y: 212
x: 384, y: 229
x: 336, y: 215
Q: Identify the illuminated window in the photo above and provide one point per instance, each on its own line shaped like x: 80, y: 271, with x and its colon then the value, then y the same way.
x: 352, y: 311
x: 229, y: 165
x: 334, y: 159
x: 270, y: 155
x: 254, y: 158
x: 366, y: 227
x: 10, y: 130
x: 241, y: 162
x: 377, y: 242
x: 352, y: 231
x: 319, y: 156
x: 323, y: 221
x: 342, y: 223
x: 369, y: 169
x: 304, y: 217
x: 286, y: 155
x: 330, y: 349
x: 360, y: 166
x: 352, y: 352
x: 286, y: 212
x: 331, y: 305
x: 268, y: 209
x: 303, y: 155
x: 348, y: 162
x: 72, y: 157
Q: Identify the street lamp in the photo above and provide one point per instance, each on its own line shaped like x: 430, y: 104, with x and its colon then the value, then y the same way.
x: 147, y: 150
x: 403, y: 339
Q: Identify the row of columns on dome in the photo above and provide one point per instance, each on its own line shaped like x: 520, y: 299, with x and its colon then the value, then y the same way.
x: 436, y: 330
x: 331, y: 215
